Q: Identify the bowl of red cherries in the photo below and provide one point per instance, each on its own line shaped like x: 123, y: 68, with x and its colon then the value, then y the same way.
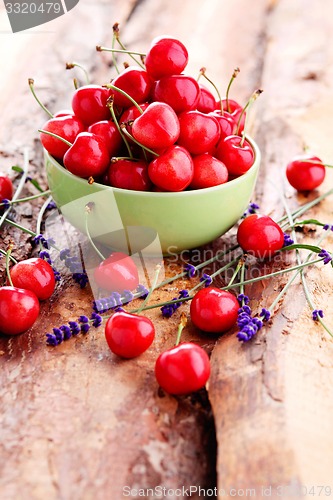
x: 155, y: 152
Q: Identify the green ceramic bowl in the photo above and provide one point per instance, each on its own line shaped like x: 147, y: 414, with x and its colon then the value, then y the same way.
x: 133, y: 220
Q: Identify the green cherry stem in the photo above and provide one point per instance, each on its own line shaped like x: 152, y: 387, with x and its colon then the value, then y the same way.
x: 233, y: 76
x: 88, y: 209
x: 248, y: 106
x: 31, y: 83
x: 115, y: 28
x: 78, y: 65
x: 203, y: 73
x: 181, y: 326
x: 19, y: 187
x: 99, y: 48
x: 56, y: 136
x: 9, y: 251
x: 3, y: 252
x: 125, y: 131
x: 113, y: 114
x: 125, y: 94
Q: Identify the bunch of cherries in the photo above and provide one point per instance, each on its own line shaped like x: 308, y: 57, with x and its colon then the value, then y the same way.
x: 152, y: 128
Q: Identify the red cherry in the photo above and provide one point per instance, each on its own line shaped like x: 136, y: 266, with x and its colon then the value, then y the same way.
x: 260, y: 236
x: 129, y: 174
x: 157, y: 127
x: 166, y: 56
x: 108, y: 131
x: 198, y: 132
x: 182, y: 369
x: 129, y: 335
x: 90, y: 104
x: 6, y: 187
x: 88, y: 156
x: 68, y: 127
x: 117, y: 273
x: 35, y: 275
x: 206, y: 103
x: 214, y: 310
x: 181, y: 92
x: 173, y: 170
x: 19, y: 310
x: 305, y: 175
x: 226, y: 122
x: 235, y: 110
x: 130, y: 114
x: 135, y: 82
x: 238, y: 157
x: 208, y: 172
x: 63, y: 112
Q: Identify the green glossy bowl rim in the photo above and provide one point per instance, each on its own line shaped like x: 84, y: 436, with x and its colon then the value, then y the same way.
x: 193, y: 192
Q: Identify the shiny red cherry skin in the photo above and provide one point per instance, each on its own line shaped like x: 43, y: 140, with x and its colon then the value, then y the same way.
x: 63, y: 112
x: 208, y: 172
x: 88, y: 156
x: 130, y: 114
x: 214, y: 310
x: 129, y: 335
x: 36, y: 275
x: 183, y: 369
x: 135, y: 82
x: 117, y: 273
x: 199, y: 132
x: 19, y: 310
x: 166, y: 56
x: 181, y: 92
x: 129, y: 174
x: 206, y: 103
x: 107, y: 130
x: 157, y: 127
x: 226, y: 122
x: 6, y: 187
x: 89, y: 104
x: 68, y: 127
x: 238, y: 157
x: 260, y: 236
x: 306, y: 172
x: 235, y: 110
x: 172, y: 170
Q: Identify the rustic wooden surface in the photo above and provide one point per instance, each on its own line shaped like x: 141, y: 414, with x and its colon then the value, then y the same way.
x: 78, y: 423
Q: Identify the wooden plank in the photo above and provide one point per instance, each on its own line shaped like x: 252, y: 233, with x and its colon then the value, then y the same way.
x: 271, y: 398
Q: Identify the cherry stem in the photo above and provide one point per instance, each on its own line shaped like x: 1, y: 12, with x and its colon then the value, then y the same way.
x: 122, y: 92
x: 88, y: 209
x: 75, y: 83
x: 126, y: 132
x: 116, y: 35
x: 99, y: 48
x: 5, y: 254
x: 32, y: 88
x: 9, y: 251
x: 233, y: 76
x: 152, y: 288
x: 55, y: 136
x: 78, y: 65
x: 113, y: 114
x: 248, y: 106
x: 181, y: 326
x: 239, y: 266
x: 20, y: 186
x: 203, y: 73
x: 316, y: 163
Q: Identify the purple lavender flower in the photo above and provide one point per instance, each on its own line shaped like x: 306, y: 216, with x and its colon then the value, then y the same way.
x: 207, y: 279
x: 326, y: 256
x: 316, y: 314
x: 5, y: 203
x: 248, y: 325
x: 287, y: 240
x: 190, y: 270
x: 168, y: 310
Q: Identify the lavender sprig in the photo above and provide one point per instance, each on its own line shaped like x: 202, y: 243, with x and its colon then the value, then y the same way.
x: 73, y: 328
x: 169, y: 309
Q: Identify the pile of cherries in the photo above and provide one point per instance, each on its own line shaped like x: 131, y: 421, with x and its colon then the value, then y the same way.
x: 152, y: 128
